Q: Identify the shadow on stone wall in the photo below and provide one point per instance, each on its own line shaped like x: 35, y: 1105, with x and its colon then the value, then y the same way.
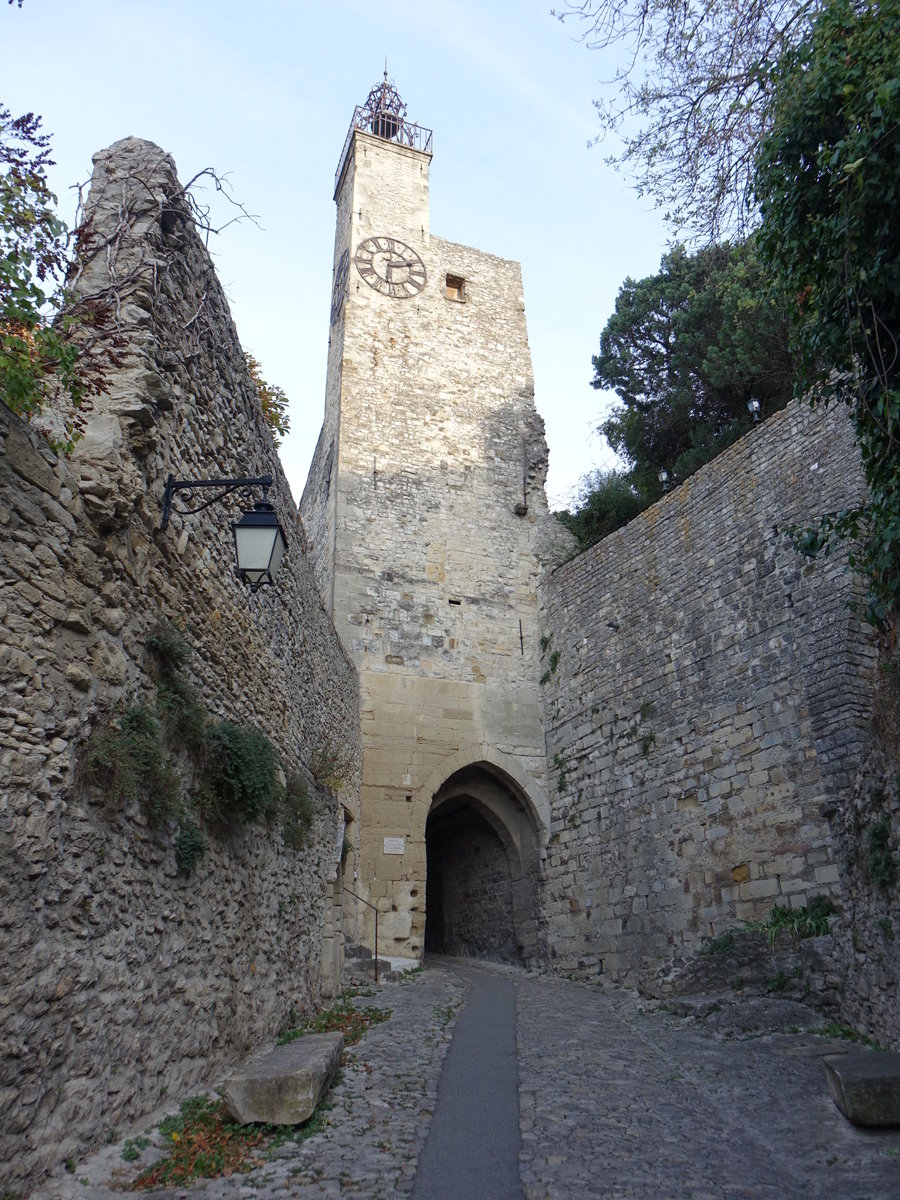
x: 709, y: 695
x: 865, y: 823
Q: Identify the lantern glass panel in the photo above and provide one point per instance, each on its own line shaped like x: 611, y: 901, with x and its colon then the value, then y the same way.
x: 259, y: 546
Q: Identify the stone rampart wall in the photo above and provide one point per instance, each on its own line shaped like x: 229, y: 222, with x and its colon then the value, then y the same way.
x: 866, y: 837
x: 707, y: 691
x: 121, y: 980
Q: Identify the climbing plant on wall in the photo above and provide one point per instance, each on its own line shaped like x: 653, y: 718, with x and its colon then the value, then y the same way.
x: 828, y: 184
x: 137, y: 756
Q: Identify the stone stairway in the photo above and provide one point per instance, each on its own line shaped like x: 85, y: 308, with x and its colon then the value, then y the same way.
x: 359, y: 967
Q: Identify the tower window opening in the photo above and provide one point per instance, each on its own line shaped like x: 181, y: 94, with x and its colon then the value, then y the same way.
x: 455, y: 288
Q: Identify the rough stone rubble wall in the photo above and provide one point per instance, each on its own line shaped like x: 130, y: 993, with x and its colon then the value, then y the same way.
x: 868, y: 940
x: 707, y: 691
x: 120, y: 980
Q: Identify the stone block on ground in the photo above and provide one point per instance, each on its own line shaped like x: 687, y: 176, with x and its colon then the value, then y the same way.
x: 282, y: 1086
x: 866, y: 1086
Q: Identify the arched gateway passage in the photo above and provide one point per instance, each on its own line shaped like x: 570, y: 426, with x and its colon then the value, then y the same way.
x: 483, y: 863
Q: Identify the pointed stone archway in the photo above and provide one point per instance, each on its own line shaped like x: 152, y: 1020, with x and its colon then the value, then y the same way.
x: 483, y: 866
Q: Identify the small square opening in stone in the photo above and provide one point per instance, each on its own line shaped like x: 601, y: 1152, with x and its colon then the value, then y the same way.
x: 455, y: 288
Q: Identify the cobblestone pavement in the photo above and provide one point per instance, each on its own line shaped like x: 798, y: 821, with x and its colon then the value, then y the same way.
x: 379, y: 1115
x: 618, y: 1099
x: 625, y: 1104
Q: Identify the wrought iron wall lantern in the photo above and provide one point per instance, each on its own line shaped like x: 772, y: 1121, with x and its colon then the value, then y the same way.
x: 259, y: 540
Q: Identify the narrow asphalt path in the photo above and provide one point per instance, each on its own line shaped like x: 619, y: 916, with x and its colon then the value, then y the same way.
x: 472, y: 1149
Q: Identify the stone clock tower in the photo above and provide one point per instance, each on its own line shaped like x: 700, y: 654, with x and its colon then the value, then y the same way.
x: 428, y: 528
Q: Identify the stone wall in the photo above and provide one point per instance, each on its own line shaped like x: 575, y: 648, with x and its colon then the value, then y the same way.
x: 121, y: 980
x: 707, y: 691
x: 866, y: 834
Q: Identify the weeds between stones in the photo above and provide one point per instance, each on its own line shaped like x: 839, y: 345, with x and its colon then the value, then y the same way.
x: 342, y: 1017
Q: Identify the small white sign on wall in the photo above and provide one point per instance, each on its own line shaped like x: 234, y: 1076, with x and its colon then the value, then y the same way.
x: 394, y: 845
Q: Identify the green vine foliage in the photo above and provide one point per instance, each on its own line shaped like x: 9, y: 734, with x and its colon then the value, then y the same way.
x: 126, y: 760
x: 241, y: 778
x: 881, y: 861
x: 297, y: 811
x: 32, y: 259
x: 190, y: 846
x: 828, y: 184
x: 52, y: 342
x: 181, y: 713
x: 329, y: 766
x: 179, y: 707
x: 170, y: 648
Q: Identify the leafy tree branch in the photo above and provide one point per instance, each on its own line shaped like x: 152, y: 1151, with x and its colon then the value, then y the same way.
x: 273, y: 400
x: 686, y: 350
x: 828, y: 185
x: 63, y: 323
x: 690, y: 102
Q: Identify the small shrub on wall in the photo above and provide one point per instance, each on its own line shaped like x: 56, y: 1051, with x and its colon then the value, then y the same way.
x: 298, y: 811
x: 125, y: 760
x: 329, y: 766
x: 240, y: 774
x: 190, y: 846
x: 131, y: 759
x: 881, y: 861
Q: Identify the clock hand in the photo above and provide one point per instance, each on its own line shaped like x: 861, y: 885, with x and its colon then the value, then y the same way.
x: 389, y: 267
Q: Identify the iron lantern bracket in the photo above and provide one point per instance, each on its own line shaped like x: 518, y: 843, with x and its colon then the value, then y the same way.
x: 225, y: 488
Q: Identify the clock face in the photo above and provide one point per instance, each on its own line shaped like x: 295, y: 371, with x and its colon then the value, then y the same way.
x: 339, y: 291
x: 390, y: 267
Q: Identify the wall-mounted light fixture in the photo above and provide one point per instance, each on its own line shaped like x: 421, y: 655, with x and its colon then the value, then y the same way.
x: 259, y: 540
x: 753, y: 406
x: 663, y: 478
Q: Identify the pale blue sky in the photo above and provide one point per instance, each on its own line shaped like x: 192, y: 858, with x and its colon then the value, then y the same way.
x: 265, y: 92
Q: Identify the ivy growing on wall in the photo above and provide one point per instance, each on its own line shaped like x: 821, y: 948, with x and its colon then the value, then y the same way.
x: 828, y: 187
